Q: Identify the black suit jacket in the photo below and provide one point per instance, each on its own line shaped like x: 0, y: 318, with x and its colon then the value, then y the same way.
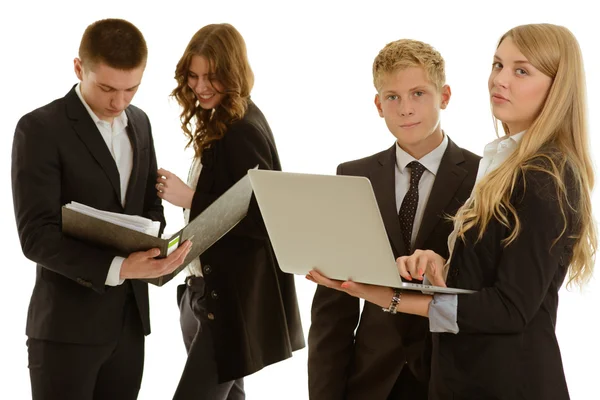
x: 506, y: 347
x: 256, y: 317
x: 59, y: 156
x: 366, y: 365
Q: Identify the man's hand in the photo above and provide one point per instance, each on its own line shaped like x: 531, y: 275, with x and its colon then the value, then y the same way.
x: 143, y: 265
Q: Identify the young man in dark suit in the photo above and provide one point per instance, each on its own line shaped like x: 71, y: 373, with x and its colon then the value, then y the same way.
x: 423, y: 178
x: 89, y: 312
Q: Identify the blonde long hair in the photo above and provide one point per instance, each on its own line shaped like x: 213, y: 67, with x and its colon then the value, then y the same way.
x: 225, y: 49
x: 561, y: 128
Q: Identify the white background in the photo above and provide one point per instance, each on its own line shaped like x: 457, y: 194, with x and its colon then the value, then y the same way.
x: 312, y: 62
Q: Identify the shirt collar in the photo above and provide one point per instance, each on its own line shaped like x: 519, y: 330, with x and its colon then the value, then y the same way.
x: 517, y: 136
x: 507, y: 140
x: 431, y: 161
x: 121, y: 120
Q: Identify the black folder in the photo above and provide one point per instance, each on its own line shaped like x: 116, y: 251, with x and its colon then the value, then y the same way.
x: 208, y: 227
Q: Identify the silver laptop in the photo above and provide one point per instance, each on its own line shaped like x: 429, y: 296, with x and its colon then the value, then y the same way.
x: 329, y: 223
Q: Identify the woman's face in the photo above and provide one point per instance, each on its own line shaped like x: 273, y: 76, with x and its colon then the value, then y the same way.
x: 209, y: 91
x: 517, y: 89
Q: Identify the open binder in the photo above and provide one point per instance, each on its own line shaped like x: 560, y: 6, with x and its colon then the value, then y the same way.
x: 208, y: 227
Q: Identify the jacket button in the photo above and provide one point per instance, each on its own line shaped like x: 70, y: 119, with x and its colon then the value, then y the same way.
x: 207, y: 269
x: 211, y: 316
x: 214, y: 295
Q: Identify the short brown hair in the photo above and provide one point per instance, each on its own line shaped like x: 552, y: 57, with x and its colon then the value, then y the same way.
x: 114, y: 42
x: 407, y: 53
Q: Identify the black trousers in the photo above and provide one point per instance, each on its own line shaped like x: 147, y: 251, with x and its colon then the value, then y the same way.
x: 408, y: 387
x: 199, y: 380
x: 111, y: 371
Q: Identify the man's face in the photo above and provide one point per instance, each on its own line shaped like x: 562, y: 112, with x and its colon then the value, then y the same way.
x: 108, y: 91
x: 410, y: 104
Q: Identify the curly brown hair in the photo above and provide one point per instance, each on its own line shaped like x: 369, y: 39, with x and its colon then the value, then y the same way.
x: 225, y: 50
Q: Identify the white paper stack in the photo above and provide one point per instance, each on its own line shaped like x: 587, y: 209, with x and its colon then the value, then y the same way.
x: 135, y: 222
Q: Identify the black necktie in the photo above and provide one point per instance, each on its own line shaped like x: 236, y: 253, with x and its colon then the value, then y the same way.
x: 406, y: 215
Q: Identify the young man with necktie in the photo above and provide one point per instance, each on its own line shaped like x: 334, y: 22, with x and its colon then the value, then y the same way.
x: 418, y: 182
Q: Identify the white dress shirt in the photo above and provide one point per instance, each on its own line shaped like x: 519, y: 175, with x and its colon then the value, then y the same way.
x: 431, y: 162
x: 194, y: 267
x: 443, y: 309
x: 494, y: 154
x: 117, y: 141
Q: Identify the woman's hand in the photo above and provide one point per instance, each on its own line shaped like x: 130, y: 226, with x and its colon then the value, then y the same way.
x: 172, y: 189
x: 379, y: 295
x: 423, y: 262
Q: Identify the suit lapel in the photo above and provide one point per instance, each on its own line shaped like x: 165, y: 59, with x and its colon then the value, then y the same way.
x: 132, y: 133
x: 447, y: 181
x: 90, y: 135
x: 383, y: 180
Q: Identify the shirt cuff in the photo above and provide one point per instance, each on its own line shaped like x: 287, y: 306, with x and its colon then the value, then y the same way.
x: 442, y: 313
x: 112, y: 279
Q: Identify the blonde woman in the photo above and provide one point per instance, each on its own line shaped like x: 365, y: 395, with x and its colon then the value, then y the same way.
x: 527, y: 225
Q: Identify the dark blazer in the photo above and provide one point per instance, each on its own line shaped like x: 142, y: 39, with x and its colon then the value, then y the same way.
x: 506, y: 347
x: 256, y: 321
x: 59, y: 156
x: 366, y: 365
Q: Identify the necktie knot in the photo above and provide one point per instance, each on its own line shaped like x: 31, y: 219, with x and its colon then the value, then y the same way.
x: 416, y: 171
